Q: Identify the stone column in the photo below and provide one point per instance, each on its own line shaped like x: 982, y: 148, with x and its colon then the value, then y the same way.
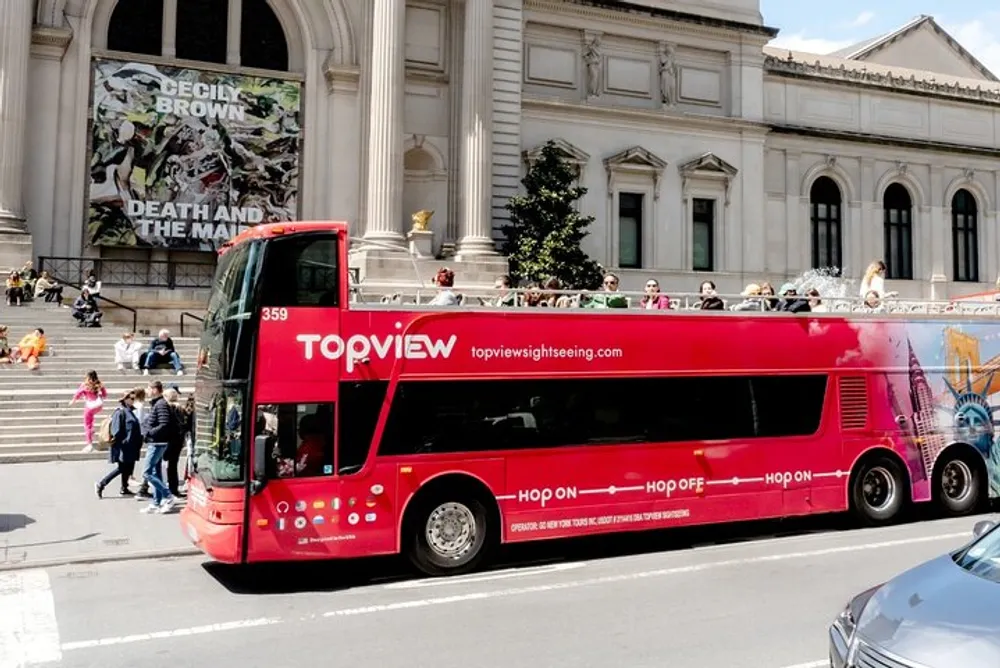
x: 477, y: 132
x: 384, y: 197
x: 15, y: 44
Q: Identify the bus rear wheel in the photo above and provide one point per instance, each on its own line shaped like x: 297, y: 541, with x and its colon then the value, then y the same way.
x: 449, y: 536
x: 958, y: 485
x: 878, y: 491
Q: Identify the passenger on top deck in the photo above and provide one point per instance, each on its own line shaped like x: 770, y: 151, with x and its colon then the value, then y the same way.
x: 445, y: 280
x: 609, y: 297
x: 710, y: 301
x: 791, y: 301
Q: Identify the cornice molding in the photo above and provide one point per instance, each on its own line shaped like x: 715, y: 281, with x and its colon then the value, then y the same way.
x: 50, y: 43
x: 558, y: 109
x: 591, y: 13
x: 885, y: 81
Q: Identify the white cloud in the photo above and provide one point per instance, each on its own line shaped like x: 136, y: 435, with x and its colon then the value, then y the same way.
x: 799, y: 42
x: 982, y: 38
x: 863, y: 19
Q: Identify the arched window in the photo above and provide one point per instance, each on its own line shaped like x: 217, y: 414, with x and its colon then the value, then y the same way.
x: 136, y: 26
x: 898, y: 216
x: 262, y: 39
x: 204, y: 32
x: 826, y: 208
x: 965, y: 237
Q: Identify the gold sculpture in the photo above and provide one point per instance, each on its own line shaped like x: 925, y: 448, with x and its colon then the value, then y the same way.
x: 421, y: 220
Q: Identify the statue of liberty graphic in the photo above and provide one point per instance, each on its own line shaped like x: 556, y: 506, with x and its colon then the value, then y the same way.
x: 974, y: 423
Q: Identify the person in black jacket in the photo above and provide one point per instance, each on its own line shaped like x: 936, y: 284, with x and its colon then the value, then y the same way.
x: 158, y: 428
x: 126, y: 444
x: 161, y: 349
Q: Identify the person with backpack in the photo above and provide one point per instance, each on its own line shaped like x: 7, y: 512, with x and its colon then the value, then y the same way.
x: 123, y: 433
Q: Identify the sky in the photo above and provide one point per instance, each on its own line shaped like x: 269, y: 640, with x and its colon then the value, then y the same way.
x: 825, y: 27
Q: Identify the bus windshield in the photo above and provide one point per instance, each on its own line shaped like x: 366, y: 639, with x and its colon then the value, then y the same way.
x: 224, y: 368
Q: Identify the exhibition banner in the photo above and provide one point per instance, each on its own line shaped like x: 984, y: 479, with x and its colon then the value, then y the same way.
x: 185, y: 159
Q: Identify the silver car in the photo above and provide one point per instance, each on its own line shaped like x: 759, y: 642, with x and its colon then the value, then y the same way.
x: 942, y: 614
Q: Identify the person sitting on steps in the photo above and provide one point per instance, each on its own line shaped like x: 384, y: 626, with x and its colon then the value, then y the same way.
x: 30, y: 348
x: 127, y: 351
x: 85, y: 310
x: 161, y: 349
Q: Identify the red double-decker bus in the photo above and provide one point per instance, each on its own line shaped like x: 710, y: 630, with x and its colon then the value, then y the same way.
x: 332, y: 429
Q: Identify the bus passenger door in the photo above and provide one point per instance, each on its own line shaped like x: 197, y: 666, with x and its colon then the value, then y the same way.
x: 293, y: 506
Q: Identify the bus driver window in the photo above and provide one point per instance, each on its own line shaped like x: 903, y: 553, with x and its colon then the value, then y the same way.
x: 302, y: 443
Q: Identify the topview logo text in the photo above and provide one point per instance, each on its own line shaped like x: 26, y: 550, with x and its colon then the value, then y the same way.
x: 360, y: 347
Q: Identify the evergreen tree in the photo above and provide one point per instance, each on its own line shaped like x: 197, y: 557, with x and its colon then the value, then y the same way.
x: 545, y: 230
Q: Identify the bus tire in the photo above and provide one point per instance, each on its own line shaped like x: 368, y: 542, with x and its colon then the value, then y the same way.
x: 958, y: 483
x: 878, y: 490
x: 449, y: 534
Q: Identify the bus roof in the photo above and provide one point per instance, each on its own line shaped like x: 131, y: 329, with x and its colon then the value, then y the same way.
x: 268, y: 230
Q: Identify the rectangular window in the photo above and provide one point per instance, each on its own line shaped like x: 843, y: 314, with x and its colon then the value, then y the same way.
x: 301, y: 439
x: 474, y: 416
x: 703, y: 234
x: 301, y: 271
x: 202, y: 26
x: 218, y: 432
x: 360, y: 407
x: 630, y: 229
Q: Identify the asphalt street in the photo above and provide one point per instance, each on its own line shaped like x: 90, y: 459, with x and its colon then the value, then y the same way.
x: 762, y: 603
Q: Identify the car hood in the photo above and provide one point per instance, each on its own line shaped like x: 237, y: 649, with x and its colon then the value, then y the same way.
x: 938, y: 615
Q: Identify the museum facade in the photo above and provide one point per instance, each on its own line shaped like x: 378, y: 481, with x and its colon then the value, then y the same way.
x: 146, y: 133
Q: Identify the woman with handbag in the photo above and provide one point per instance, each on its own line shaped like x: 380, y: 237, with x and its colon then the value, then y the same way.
x: 93, y: 393
x: 126, y: 444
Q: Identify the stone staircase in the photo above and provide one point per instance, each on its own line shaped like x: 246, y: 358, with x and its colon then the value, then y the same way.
x: 36, y: 422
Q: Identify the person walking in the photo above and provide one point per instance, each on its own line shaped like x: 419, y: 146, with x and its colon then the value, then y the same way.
x: 157, y: 431
x: 126, y: 443
x: 93, y: 392
x: 172, y: 456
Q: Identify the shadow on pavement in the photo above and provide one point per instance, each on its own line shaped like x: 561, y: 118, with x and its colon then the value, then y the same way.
x: 334, y: 575
x: 13, y: 522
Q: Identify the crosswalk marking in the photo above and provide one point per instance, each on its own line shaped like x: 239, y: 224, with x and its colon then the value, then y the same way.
x: 29, y: 633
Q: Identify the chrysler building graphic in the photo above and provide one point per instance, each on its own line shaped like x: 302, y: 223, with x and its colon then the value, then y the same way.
x: 927, y: 433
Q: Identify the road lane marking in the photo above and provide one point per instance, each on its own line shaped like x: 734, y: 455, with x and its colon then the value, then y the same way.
x: 29, y: 632
x: 161, y: 635
x: 811, y: 664
x: 486, y: 577
x: 630, y: 577
x: 507, y: 593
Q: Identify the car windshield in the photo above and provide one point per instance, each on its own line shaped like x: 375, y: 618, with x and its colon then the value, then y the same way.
x: 982, y: 558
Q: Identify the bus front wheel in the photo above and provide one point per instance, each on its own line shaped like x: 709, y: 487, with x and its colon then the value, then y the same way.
x: 449, y: 536
x: 878, y: 490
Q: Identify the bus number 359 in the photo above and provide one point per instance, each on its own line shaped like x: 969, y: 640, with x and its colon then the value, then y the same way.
x: 274, y: 314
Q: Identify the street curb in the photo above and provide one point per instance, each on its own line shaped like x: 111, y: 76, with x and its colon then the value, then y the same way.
x: 101, y: 559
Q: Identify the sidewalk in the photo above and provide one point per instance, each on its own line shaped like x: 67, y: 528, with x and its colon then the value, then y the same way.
x: 50, y: 515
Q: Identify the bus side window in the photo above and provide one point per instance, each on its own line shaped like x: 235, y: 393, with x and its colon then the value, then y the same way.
x: 302, y: 446
x: 360, y: 406
x: 301, y: 272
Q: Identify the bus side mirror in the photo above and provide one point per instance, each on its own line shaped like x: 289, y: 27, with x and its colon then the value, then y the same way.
x: 261, y: 446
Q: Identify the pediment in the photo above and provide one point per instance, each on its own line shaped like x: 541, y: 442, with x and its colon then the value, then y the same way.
x: 567, y: 151
x: 921, y: 44
x: 635, y: 157
x: 708, y: 164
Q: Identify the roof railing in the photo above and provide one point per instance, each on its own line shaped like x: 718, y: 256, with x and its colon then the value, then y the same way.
x: 395, y: 295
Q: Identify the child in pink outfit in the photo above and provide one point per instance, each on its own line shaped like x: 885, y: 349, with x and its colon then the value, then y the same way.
x: 93, y: 392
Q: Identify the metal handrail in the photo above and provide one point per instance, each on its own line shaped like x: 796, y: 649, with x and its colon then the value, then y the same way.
x: 397, y: 295
x: 187, y: 314
x: 99, y: 296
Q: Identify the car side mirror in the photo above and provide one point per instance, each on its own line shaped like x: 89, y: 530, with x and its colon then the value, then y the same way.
x: 261, y: 446
x: 982, y: 527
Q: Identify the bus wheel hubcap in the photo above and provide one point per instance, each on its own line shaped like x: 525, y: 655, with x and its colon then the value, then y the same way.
x: 879, y: 488
x: 451, y: 530
x: 956, y: 480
